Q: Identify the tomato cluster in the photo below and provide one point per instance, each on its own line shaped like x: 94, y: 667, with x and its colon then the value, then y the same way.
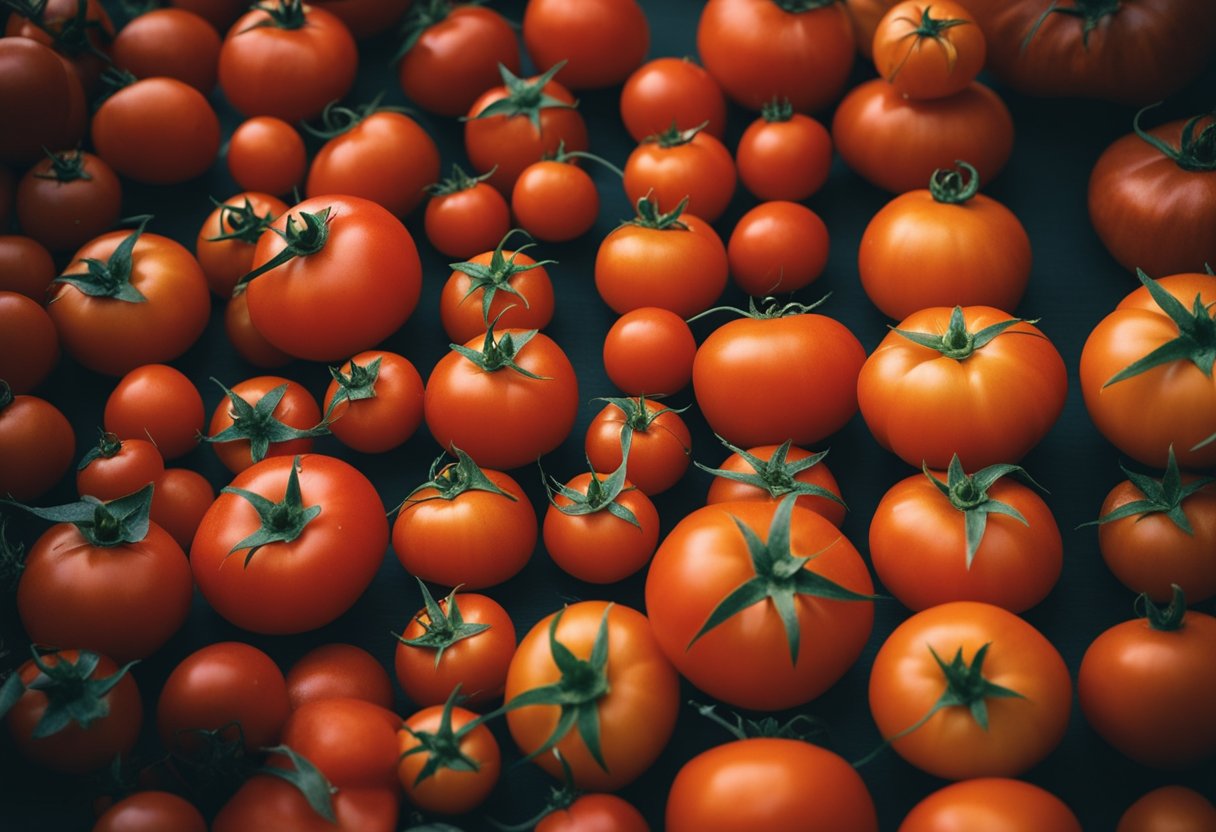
x: 505, y: 466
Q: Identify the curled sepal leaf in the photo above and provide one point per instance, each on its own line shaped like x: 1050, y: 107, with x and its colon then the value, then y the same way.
x: 1196, y: 341
x: 104, y: 525
x: 450, y: 480
x: 648, y: 215
x: 459, y: 181
x: 108, y: 446
x: 525, y: 98
x: 1194, y: 152
x: 336, y: 119
x: 673, y: 136
x: 638, y: 417
x: 780, y: 576
x: 577, y: 693
x: 243, y: 221
x: 1165, y: 619
x: 111, y: 278
x: 305, y: 236
x: 765, y: 308
x: 601, y: 494
x: 1163, y: 496
x: 496, y: 276
x: 359, y: 384
x: 73, y: 694
x: 800, y: 727
x: 929, y: 28
x: 66, y: 166
x: 499, y: 353
x: 1091, y: 13
x: 306, y: 777
x: 282, y: 522
x: 777, y: 110
x: 440, y: 630
x: 957, y: 342
x: 954, y: 186
x: 257, y: 425
x: 776, y: 475
x: 442, y: 746
x: 969, y: 494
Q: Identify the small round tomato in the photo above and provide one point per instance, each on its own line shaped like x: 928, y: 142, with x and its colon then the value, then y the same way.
x: 601, y: 812
x: 465, y: 215
x: 769, y: 472
x: 338, y: 671
x: 599, y: 528
x: 157, y: 402
x: 660, y: 445
x: 228, y: 238
x: 670, y: 92
x: 374, y: 402
x: 36, y: 445
x: 353, y: 743
x: 150, y: 811
x: 36, y: 92
x: 67, y: 199
x: 993, y: 803
x: 1169, y: 809
x: 266, y: 154
x: 928, y: 49
x: 777, y: 247
x: 243, y: 435
x: 680, y: 165
x: 649, y: 351
x: 461, y: 750
x: 180, y: 500
x: 117, y: 467
x: 29, y: 342
x: 555, y: 200
x: 599, y: 42
x: 783, y: 154
x: 508, y: 288
x: 169, y: 43
x: 26, y: 267
x: 250, y: 344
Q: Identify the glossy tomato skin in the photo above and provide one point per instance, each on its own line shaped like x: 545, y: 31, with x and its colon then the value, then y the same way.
x: 29, y: 342
x: 266, y: 802
x: 701, y: 169
x: 467, y: 222
x: 448, y: 791
x: 787, y: 160
x: 64, y: 215
x: 745, y: 661
x: 266, y: 154
x: 722, y: 490
x: 1169, y: 809
x: 1181, y: 398
x: 387, y: 419
x: 170, y: 43
x: 649, y: 351
x: 36, y: 447
x: 602, y: 41
x: 297, y: 409
x: 149, y: 812
x: 896, y: 143
x: 637, y: 715
x: 531, y: 416
x: 250, y: 344
x: 33, y: 94
x: 658, y: 455
x: 756, y: 50
x: 783, y: 785
x: 906, y: 681
x: 669, y: 91
x: 338, y: 671
x: 460, y: 304
x: 921, y: 67
x: 555, y: 201
x: 601, y: 548
x: 777, y: 247
x: 180, y: 500
x: 304, y: 584
x: 798, y: 375
x: 595, y: 813
x: 994, y: 804
x: 135, y: 464
x: 26, y: 267
x: 990, y: 408
x: 225, y: 262
x: 1150, y: 212
x: 352, y: 742
x: 157, y: 402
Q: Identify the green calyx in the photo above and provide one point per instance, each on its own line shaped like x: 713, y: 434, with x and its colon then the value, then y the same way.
x: 969, y: 494
x: 1090, y: 12
x: 1167, y: 619
x: 74, y: 695
x: 673, y: 136
x: 422, y: 15
x: 766, y: 308
x: 780, y: 577
x: 957, y: 342
x: 799, y: 6
x: 243, y: 221
x: 69, y: 36
x: 107, y: 447
x: 496, y: 276
x: 800, y: 727
x: 929, y: 28
x: 359, y: 384
x: 336, y: 120
x: 525, y: 98
x: 601, y: 494
x: 776, y: 475
x: 257, y: 425
x: 306, y: 777
x: 649, y: 216
x: 105, y: 525
x: 954, y: 186
x: 66, y: 166
x: 305, y: 237
x: 440, y: 630
x: 111, y: 278
x: 1163, y: 496
x: 1196, y: 341
x: 777, y: 111
x: 284, y: 14
x: 459, y: 181
x: 499, y: 353
x: 1194, y: 152
x: 442, y: 746
x: 450, y: 480
x: 282, y: 522
x: 638, y: 417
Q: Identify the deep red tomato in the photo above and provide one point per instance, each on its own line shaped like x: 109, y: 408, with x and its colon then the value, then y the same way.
x: 352, y: 742
x: 508, y: 288
x: 219, y: 13
x: 29, y: 342
x: 169, y: 43
x: 374, y: 402
x: 1169, y: 809
x: 761, y: 49
x: 150, y: 811
x: 977, y: 728
x: 179, y: 502
x: 865, y: 15
x: 768, y: 476
x: 324, y: 544
x: 228, y: 238
x: 947, y: 245
x: 928, y: 49
x: 586, y: 535
x: 36, y: 95
x: 465, y: 215
x: 783, y: 154
x: 79, y: 30
x: 670, y: 92
x: 649, y: 351
x: 267, y: 802
x: 660, y: 444
x: 242, y: 435
x: 973, y: 382
x: 36, y: 445
x: 777, y: 247
x: 266, y: 154
x: 682, y: 164
x: 997, y: 804
x: 117, y: 467
x: 896, y: 143
x: 288, y: 60
x: 157, y: 402
x: 598, y: 812
x: 26, y: 267
x: 67, y: 199
x: 338, y: 671
x: 365, y: 18
x: 464, y: 774
x: 600, y: 41
x: 555, y: 200
x: 250, y: 344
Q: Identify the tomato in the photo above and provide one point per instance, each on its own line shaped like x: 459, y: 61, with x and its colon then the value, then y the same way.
x: 555, y: 200
x: 670, y: 92
x: 777, y: 247
x: 649, y: 351
x: 374, y: 402
x: 263, y: 417
x: 228, y: 238
x: 660, y: 449
x: 179, y: 502
x: 79, y: 30
x: 229, y: 687
x: 509, y: 288
x: 1118, y: 377
x: 96, y: 702
x: 972, y: 382
x: 758, y: 49
x: 768, y: 472
x: 991, y: 803
x: 465, y: 525
x: 600, y: 42
x: 353, y: 279
x: 365, y: 18
x: 36, y: 445
x: 338, y: 671
x: 325, y: 534
x: 266, y: 154
x: 26, y: 267
x: 865, y: 15
x: 149, y: 812
x: 115, y: 467
x: 464, y: 640
x: 266, y: 802
x: 250, y: 344
x: 219, y: 13
x: 672, y: 260
x: 932, y: 710
x: 682, y: 164
x: 380, y: 155
x: 614, y: 676
x: 926, y: 549
x: 896, y: 143
x: 513, y: 125
x: 29, y: 342
x: 1169, y: 809
x: 796, y: 371
x: 451, y: 54
x: 36, y: 94
x: 145, y: 300
x: 944, y: 246
x: 1131, y: 53
x: 600, y: 812
x: 465, y: 215
x: 352, y: 742
x: 169, y: 43
x: 67, y: 199
x: 157, y: 402
x: 784, y: 155
x: 450, y: 761
x: 1146, y: 686
x: 286, y: 60
x: 1160, y: 186
x: 928, y: 50
x: 159, y: 131
x: 520, y: 382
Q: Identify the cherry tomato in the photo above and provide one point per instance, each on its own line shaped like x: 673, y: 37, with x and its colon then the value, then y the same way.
x: 266, y: 154
x: 649, y: 351
x: 777, y: 247
x: 250, y: 436
x: 376, y: 407
x: 352, y: 742
x: 116, y: 467
x: 67, y: 199
x: 682, y: 164
x: 519, y: 289
x: 455, y: 788
x: 600, y: 547
x: 670, y: 92
x: 928, y: 50
x: 29, y: 342
x: 600, y: 41
x: 660, y: 445
x: 555, y: 201
x: 780, y: 482
x: 465, y: 215
x: 338, y: 671
x: 783, y: 154
x: 157, y: 402
x: 26, y: 267
x: 36, y: 445
x: 228, y: 238
x: 169, y: 43
x: 38, y: 94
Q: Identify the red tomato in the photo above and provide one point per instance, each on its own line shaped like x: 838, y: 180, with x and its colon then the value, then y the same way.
x: 591, y: 540
x: 115, y: 467
x: 306, y: 575
x: 266, y: 154
x: 228, y: 238
x: 682, y: 164
x: 783, y: 154
x: 170, y: 43
x: 768, y: 476
x: 365, y: 18
x: 219, y: 13
x: 338, y: 671
x: 374, y: 402
x: 555, y: 200
x: 660, y: 445
x: 26, y: 267
x: 67, y: 199
x: 243, y: 436
x: 1169, y: 809
x: 600, y: 812
x: 352, y: 742
x: 600, y: 42
x: 151, y: 812
x: 36, y: 94
x: 266, y: 802
x: 29, y: 342
x: 777, y: 247
x: 649, y: 351
x: 670, y: 92
x: 928, y: 50
x: 896, y: 143
x: 157, y: 402
x: 865, y: 15
x: 996, y: 804
x: 36, y: 445
x: 508, y: 288
x: 79, y: 31
x: 465, y: 215
x: 250, y: 344
x: 466, y: 773
x: 179, y: 502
